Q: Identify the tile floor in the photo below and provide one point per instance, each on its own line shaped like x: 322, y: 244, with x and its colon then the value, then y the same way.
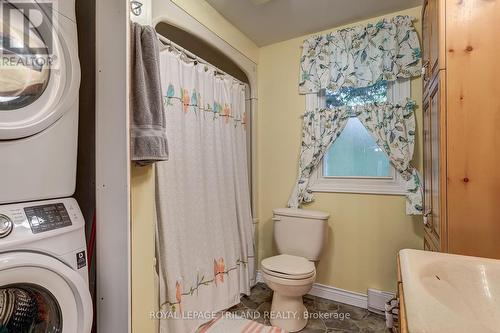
x: 328, y: 316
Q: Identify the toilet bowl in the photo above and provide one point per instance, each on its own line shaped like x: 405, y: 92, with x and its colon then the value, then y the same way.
x: 299, y: 236
x: 289, y: 285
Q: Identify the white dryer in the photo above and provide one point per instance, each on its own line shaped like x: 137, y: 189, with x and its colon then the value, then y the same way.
x: 43, y: 268
x: 39, y: 85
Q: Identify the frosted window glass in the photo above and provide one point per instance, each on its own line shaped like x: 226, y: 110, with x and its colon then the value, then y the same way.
x: 355, y: 153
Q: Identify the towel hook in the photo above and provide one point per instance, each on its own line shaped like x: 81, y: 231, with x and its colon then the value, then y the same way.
x: 136, y: 7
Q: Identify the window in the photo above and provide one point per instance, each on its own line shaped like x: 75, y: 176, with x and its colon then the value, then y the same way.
x: 355, y: 153
x: 355, y: 163
x: 357, y: 96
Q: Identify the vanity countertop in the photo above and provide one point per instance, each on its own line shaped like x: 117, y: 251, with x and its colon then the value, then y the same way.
x: 450, y: 293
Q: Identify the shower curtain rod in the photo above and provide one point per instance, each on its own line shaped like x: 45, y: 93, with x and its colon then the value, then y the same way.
x: 164, y: 40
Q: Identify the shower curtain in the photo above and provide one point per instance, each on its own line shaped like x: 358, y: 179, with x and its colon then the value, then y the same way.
x: 205, y: 229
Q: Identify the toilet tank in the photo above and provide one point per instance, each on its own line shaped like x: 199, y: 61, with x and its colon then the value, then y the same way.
x: 300, y: 232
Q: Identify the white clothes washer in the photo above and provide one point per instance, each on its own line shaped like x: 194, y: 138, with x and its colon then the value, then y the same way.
x: 43, y: 268
x: 39, y: 85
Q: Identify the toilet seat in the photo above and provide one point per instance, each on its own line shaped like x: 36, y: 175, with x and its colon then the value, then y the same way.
x: 290, y: 277
x: 286, y: 266
x: 287, y: 276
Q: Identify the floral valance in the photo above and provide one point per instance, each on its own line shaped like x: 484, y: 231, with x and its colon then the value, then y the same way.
x: 360, y: 56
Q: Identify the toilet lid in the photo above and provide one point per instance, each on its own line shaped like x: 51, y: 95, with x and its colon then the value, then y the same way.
x: 285, y: 264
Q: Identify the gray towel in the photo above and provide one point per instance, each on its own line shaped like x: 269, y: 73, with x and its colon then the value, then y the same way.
x: 148, y: 124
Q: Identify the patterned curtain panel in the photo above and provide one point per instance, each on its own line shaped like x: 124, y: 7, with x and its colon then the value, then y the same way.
x: 360, y: 56
x: 320, y: 129
x: 392, y: 126
x: 205, y: 228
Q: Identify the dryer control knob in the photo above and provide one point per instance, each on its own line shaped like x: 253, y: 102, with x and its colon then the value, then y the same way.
x: 6, y: 226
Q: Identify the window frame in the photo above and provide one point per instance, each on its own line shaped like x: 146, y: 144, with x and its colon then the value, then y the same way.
x: 398, y: 92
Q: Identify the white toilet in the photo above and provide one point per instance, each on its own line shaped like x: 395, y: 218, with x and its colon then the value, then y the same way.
x: 299, y: 235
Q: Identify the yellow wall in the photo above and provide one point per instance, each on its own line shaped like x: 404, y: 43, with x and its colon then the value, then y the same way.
x: 144, y: 290
x: 144, y: 279
x: 365, y: 231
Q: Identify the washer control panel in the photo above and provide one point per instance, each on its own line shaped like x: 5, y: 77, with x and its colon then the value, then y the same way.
x: 47, y: 217
x: 24, y: 220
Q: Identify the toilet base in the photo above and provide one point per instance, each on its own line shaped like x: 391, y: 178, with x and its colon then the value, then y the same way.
x: 288, y: 312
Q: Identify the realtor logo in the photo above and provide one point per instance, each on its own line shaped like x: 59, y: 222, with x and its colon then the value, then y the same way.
x: 26, y: 36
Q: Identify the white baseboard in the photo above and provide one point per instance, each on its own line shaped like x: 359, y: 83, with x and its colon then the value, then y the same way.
x: 333, y: 294
x: 340, y: 295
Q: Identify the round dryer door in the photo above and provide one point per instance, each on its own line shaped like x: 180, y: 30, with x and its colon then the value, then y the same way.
x: 40, y: 294
x: 39, y: 68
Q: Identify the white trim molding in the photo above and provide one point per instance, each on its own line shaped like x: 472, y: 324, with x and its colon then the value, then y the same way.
x: 393, y: 185
x: 340, y: 295
x: 113, y: 248
x: 333, y: 294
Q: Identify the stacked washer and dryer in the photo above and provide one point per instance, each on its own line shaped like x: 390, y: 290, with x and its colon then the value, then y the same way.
x: 43, y: 262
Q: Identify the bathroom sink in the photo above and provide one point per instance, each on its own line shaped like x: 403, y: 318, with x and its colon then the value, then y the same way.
x: 450, y: 293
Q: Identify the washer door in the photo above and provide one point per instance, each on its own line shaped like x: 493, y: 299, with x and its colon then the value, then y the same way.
x: 39, y: 69
x: 40, y: 294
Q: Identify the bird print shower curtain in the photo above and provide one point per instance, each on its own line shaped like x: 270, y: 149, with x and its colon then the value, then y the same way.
x: 205, y: 230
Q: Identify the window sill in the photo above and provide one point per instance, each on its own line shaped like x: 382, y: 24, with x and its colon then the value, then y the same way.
x: 380, y: 187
